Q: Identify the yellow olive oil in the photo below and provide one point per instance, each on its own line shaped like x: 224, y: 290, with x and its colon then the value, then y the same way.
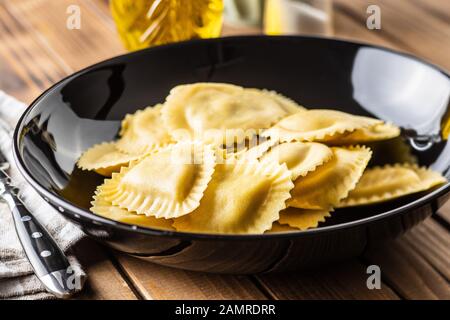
x: 145, y: 23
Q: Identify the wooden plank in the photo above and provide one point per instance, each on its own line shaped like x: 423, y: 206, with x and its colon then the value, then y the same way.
x: 406, y: 264
x: 104, y: 281
x: 103, y: 11
x: 13, y: 80
x: 93, y: 42
x: 22, y: 60
x: 407, y: 25
x: 346, y: 27
x: 24, y: 50
x: 437, y: 8
x: 157, y: 282
x: 432, y: 242
x: 229, y: 30
x: 444, y: 212
x: 340, y: 281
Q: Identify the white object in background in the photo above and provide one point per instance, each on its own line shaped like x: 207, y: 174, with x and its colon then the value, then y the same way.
x: 243, y: 13
x: 298, y: 16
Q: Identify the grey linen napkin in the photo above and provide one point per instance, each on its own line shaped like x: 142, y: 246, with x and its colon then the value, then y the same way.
x: 17, y: 280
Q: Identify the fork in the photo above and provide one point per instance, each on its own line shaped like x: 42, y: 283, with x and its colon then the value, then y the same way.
x: 48, y: 261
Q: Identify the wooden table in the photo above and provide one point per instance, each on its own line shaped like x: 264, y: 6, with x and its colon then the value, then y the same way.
x: 37, y: 50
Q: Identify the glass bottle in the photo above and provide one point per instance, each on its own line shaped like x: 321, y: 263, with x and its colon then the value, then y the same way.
x: 144, y: 23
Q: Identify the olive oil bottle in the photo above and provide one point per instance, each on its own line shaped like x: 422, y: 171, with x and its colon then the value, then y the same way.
x: 144, y: 23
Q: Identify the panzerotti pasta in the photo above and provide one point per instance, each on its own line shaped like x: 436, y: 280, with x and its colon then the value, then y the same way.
x: 220, y: 158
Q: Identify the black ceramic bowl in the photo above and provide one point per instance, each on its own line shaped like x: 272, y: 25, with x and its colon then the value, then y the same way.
x: 86, y: 108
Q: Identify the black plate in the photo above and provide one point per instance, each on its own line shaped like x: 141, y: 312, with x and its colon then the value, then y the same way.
x: 86, y: 107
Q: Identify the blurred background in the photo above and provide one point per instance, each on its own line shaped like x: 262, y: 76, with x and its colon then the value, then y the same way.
x: 41, y: 41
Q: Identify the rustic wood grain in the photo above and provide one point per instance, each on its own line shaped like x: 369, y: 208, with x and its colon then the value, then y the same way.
x: 416, y: 266
x: 93, y: 42
x: 19, y: 73
x: 444, y: 213
x: 406, y: 25
x: 104, y: 281
x: 158, y: 282
x: 24, y: 50
x: 13, y: 80
x: 340, y: 281
x: 438, y: 9
x: 348, y: 28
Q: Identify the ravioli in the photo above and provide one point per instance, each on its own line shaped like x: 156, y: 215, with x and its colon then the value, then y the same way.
x: 277, y: 227
x: 331, y: 182
x: 165, y: 184
x: 226, y: 156
x: 105, y: 209
x: 222, y: 159
x: 143, y: 131
x: 378, y: 132
x: 391, y: 181
x: 222, y: 113
x: 257, y: 151
x: 303, y: 219
x: 317, y: 125
x: 287, y: 103
x: 299, y: 157
x: 242, y: 197
x: 104, y: 158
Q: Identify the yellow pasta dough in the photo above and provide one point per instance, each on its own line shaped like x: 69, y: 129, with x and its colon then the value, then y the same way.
x: 165, y: 184
x: 391, y: 181
x: 331, y: 182
x: 378, y: 132
x: 222, y: 113
x: 242, y: 197
x: 143, y: 131
x: 258, y: 150
x: 288, y: 104
x: 299, y: 157
x: 317, y: 125
x: 104, y: 158
x: 303, y: 219
x: 105, y: 209
x: 277, y: 227
x: 227, y: 156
